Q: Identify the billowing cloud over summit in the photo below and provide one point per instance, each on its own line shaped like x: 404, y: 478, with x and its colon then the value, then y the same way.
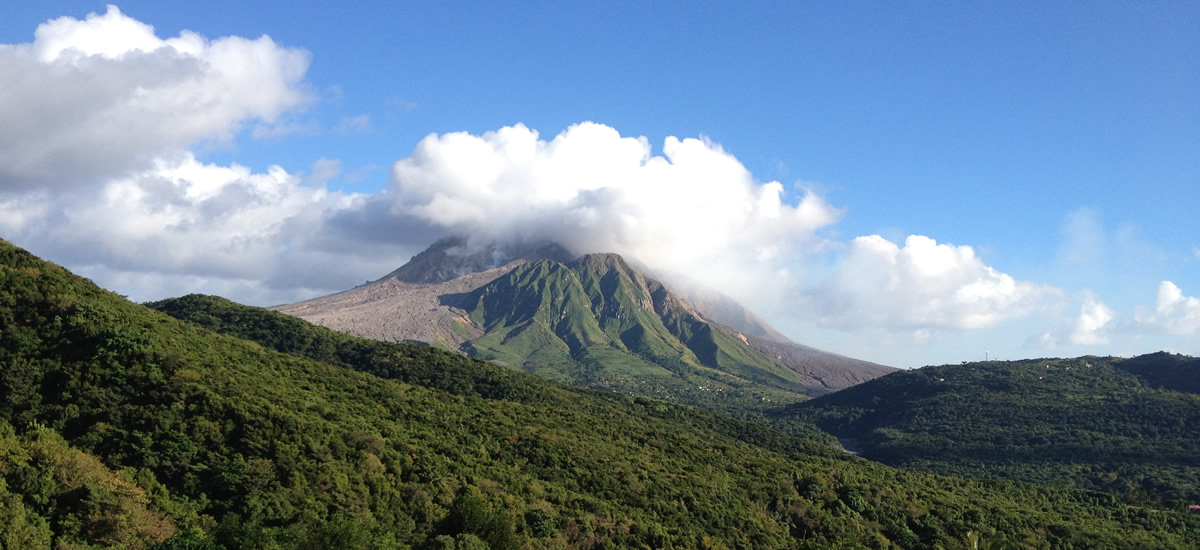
x: 696, y: 210
x: 595, y: 191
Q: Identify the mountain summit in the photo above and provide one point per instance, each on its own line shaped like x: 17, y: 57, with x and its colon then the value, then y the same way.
x: 453, y: 257
x: 592, y: 320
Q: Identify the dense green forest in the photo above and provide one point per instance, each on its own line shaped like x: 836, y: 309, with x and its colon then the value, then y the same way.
x: 1094, y: 422
x: 1169, y: 371
x: 433, y: 368
x: 123, y: 427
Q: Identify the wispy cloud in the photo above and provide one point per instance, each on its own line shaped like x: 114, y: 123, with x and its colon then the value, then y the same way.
x: 1084, y: 238
x: 360, y: 124
x: 1174, y: 313
x: 282, y: 129
x: 1090, y: 327
x: 401, y: 104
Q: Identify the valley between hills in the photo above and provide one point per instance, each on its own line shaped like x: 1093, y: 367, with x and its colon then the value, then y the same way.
x: 538, y: 399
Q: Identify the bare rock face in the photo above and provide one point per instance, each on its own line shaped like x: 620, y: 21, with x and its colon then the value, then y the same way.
x: 393, y: 310
x: 415, y: 303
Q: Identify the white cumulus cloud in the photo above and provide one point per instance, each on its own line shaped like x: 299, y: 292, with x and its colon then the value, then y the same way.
x: 97, y: 120
x: 1090, y: 327
x: 95, y: 98
x: 922, y: 285
x: 695, y: 208
x: 191, y: 221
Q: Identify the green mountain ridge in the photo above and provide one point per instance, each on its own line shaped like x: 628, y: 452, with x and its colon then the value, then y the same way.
x: 1098, y: 423
x: 597, y: 322
x: 123, y: 427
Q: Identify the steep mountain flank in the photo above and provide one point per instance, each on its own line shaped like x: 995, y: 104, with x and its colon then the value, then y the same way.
x: 598, y: 322
x: 392, y: 310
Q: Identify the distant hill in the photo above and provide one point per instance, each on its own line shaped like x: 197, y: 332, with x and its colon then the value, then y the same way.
x: 123, y: 427
x: 1093, y: 422
x: 1169, y: 371
x: 451, y: 296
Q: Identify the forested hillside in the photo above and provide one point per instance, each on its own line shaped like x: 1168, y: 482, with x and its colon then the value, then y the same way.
x: 436, y: 369
x: 124, y: 427
x: 1168, y: 371
x: 1094, y: 422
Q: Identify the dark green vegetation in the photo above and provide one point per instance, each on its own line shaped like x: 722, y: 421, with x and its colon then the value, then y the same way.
x: 598, y: 323
x: 1095, y: 423
x: 436, y: 369
x: 1165, y: 370
x: 123, y: 427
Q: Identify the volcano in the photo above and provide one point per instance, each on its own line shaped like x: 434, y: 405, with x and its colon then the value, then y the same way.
x: 592, y: 320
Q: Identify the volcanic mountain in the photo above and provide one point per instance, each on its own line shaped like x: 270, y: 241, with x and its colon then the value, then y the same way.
x: 592, y: 320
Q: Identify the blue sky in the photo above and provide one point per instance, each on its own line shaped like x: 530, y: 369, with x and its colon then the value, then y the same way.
x: 1035, y: 166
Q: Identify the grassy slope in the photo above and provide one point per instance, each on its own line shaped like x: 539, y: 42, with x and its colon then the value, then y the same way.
x: 1056, y: 422
x: 240, y: 445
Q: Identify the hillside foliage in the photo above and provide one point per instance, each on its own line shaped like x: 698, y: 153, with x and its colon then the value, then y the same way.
x: 433, y: 368
x: 1096, y: 423
x: 124, y: 427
